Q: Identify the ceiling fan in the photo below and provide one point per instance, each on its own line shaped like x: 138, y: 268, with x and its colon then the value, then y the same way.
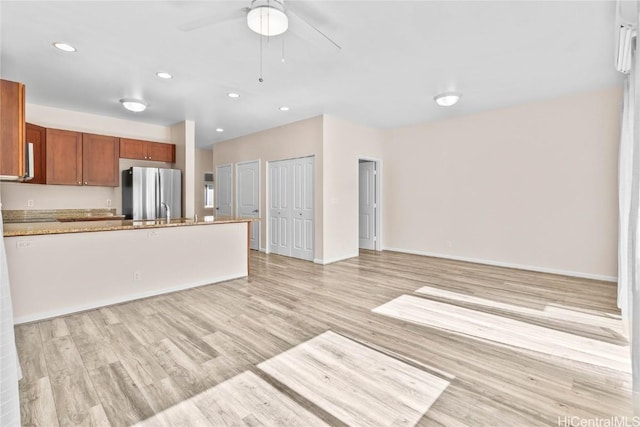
x: 266, y: 18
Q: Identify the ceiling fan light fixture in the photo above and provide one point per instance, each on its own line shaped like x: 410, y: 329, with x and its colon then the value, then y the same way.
x: 135, y: 105
x: 268, y: 19
x: 447, y: 99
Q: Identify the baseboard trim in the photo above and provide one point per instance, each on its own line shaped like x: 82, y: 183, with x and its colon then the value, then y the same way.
x: 332, y: 260
x: 508, y: 265
x: 119, y: 300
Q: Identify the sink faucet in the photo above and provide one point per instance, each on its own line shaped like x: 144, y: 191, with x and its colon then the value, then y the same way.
x: 166, y: 206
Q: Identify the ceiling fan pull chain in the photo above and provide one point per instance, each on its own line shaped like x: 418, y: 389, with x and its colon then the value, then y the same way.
x: 282, y: 50
x: 260, y: 77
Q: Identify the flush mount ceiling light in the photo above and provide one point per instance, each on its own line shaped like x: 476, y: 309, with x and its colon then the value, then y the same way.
x: 164, y: 75
x: 233, y: 95
x: 447, y: 99
x: 65, y: 47
x: 219, y: 130
x: 134, y: 105
x: 267, y: 17
x: 284, y: 108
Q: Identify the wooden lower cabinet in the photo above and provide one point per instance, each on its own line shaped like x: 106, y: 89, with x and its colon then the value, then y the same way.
x: 74, y: 158
x: 37, y: 135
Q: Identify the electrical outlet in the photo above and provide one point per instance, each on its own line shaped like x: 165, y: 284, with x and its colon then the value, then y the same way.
x: 30, y: 203
x: 108, y: 202
x: 23, y: 244
x: 136, y: 276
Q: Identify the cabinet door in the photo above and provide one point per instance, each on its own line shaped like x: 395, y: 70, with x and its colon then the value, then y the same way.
x: 133, y: 149
x: 37, y: 136
x: 64, y: 157
x: 12, y: 129
x: 100, y: 156
x: 161, y: 152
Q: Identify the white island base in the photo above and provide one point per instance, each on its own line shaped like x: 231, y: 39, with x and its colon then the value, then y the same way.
x: 57, y: 274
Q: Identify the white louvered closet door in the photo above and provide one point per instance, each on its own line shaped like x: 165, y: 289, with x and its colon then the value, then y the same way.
x: 291, y: 204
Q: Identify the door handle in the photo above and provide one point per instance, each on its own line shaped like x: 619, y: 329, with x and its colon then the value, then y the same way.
x: 300, y: 213
x: 255, y: 211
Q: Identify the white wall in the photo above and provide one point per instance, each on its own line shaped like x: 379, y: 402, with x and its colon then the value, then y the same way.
x: 299, y: 139
x: 532, y: 185
x: 204, y: 164
x: 15, y: 195
x: 79, y: 271
x: 343, y: 144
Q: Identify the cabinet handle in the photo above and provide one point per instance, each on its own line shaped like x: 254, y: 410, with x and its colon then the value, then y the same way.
x: 79, y: 183
x: 86, y: 183
x: 149, y: 157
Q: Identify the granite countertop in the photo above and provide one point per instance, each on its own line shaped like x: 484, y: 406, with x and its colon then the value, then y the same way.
x: 55, y: 227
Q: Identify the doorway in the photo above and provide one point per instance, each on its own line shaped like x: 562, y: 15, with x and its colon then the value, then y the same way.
x: 223, y: 194
x: 368, y: 204
x: 248, y: 197
x: 291, y: 228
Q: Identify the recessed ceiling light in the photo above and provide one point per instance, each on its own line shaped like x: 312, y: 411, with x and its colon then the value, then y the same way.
x: 219, y: 130
x: 134, y: 105
x: 164, y: 75
x: 64, y: 46
x: 233, y: 95
x: 447, y: 99
x: 284, y: 108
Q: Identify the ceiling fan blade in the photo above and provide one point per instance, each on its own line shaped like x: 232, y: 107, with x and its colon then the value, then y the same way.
x: 212, y: 20
x: 306, y: 23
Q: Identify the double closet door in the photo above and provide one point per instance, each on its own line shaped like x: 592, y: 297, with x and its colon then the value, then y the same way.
x: 291, y: 222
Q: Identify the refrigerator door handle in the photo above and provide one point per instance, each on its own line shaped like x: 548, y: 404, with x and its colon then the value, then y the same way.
x: 158, y: 195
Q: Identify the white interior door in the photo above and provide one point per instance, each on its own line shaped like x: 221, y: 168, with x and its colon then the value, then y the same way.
x: 291, y: 228
x: 223, y: 191
x: 302, y: 208
x: 367, y: 205
x: 279, y: 208
x: 248, y: 197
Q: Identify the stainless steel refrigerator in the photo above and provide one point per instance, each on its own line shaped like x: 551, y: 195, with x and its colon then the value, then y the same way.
x: 146, y: 191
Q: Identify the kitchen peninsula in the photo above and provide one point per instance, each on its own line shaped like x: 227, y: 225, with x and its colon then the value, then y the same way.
x: 58, y: 268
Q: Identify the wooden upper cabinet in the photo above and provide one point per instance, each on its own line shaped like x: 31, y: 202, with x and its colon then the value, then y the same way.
x: 37, y: 135
x: 161, y: 152
x: 74, y: 158
x: 147, y: 150
x: 133, y: 149
x: 12, y: 129
x: 100, y: 156
x: 64, y: 157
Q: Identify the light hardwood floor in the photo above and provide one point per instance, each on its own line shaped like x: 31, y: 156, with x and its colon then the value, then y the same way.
x: 449, y: 343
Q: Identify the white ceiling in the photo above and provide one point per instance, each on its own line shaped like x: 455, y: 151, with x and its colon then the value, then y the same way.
x: 395, y: 57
